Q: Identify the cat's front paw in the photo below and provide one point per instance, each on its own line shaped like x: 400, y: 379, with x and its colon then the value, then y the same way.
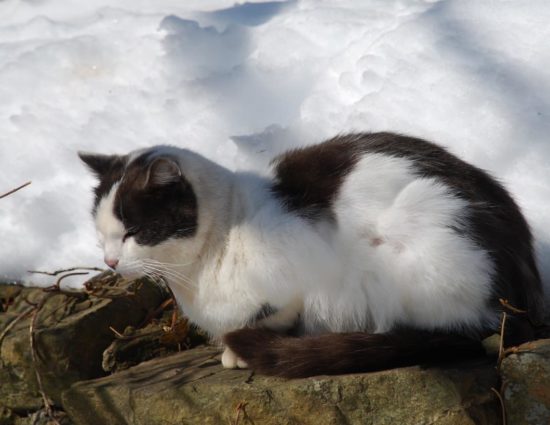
x: 230, y: 360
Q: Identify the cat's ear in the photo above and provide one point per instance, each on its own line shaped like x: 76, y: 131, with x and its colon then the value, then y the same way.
x: 163, y: 171
x: 101, y: 164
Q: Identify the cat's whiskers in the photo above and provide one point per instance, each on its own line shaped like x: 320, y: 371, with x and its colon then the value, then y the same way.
x: 132, y: 266
x: 165, y: 269
x: 178, y: 278
x: 161, y: 263
x: 158, y: 279
x: 155, y: 276
x: 165, y: 279
x: 166, y: 266
x: 132, y: 263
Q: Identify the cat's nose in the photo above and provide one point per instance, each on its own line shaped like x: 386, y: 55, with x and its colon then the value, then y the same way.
x: 112, y: 263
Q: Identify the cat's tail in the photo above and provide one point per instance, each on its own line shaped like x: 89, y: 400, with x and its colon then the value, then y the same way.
x: 270, y: 353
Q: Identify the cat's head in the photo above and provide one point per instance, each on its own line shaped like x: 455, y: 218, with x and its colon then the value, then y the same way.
x: 145, y: 209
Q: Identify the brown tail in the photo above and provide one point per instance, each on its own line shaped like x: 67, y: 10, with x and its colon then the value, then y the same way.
x: 270, y: 353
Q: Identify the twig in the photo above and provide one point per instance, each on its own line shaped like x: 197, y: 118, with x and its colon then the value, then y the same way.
x: 502, y: 406
x: 510, y: 307
x: 14, y: 322
x: 501, y: 342
x: 15, y: 190
x: 117, y: 333
x: 240, y: 408
x: 72, y: 269
x: 96, y: 289
x: 158, y: 310
x: 45, y: 400
x: 174, y: 303
x: 56, y: 287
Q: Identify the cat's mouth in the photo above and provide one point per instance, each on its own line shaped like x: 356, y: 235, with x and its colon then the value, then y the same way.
x: 130, y: 273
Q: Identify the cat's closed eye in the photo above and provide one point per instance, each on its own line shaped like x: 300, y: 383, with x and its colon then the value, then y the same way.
x: 131, y: 232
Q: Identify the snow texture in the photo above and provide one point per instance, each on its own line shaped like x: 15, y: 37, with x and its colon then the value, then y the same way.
x: 242, y: 82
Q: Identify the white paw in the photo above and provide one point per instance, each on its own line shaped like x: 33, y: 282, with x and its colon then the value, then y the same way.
x: 231, y: 361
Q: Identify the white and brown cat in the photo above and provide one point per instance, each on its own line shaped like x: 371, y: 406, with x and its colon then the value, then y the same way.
x: 364, y: 252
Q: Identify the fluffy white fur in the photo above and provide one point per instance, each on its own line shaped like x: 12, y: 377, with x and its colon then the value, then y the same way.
x: 391, y: 258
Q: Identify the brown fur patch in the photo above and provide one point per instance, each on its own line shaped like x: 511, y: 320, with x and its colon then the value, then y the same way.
x: 307, y: 180
x: 270, y: 353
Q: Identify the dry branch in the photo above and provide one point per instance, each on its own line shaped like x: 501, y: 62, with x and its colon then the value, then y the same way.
x: 72, y: 269
x: 56, y: 287
x: 510, y: 307
x: 501, y: 341
x: 45, y: 399
x: 502, y: 407
x: 117, y: 333
x: 15, y: 190
x: 240, y: 408
x: 14, y: 322
x: 165, y: 304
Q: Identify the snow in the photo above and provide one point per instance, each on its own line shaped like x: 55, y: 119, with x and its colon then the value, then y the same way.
x: 242, y: 82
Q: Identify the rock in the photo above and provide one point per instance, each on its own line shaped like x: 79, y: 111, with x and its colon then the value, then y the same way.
x: 70, y: 336
x: 6, y: 416
x: 73, y: 338
x: 192, y: 388
x: 526, y: 384
x: 18, y: 389
x: 39, y: 418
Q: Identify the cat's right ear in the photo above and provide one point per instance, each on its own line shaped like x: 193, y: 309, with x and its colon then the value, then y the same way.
x: 101, y: 164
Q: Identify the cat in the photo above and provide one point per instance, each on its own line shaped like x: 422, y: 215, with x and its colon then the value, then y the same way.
x: 364, y: 252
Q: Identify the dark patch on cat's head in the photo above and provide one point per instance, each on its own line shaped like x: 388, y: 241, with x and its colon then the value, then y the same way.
x: 155, y: 201
x: 107, y: 168
x: 307, y: 180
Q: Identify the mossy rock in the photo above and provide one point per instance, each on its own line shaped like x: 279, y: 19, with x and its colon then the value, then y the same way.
x: 526, y: 384
x: 70, y: 336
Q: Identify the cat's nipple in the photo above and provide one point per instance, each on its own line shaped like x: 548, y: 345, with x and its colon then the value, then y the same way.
x: 112, y: 263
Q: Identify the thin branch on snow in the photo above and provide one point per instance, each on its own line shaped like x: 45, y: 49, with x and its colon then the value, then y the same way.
x: 15, y: 190
x: 55, y: 273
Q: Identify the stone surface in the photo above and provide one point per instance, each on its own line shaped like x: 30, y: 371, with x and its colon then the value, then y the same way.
x: 192, y: 388
x: 18, y: 384
x: 70, y: 337
x: 526, y: 384
x: 74, y: 341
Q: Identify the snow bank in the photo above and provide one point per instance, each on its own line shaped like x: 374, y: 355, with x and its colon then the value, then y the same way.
x: 239, y: 83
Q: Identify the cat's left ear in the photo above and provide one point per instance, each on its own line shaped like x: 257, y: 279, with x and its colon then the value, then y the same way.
x: 163, y: 171
x: 101, y: 164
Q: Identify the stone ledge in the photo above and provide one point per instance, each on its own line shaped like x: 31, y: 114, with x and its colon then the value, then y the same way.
x: 192, y: 388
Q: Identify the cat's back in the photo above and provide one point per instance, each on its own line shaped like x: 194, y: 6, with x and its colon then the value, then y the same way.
x: 310, y: 179
x: 400, y: 200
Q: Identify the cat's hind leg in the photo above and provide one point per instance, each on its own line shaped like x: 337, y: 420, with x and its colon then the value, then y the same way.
x: 279, y: 320
x: 230, y: 360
